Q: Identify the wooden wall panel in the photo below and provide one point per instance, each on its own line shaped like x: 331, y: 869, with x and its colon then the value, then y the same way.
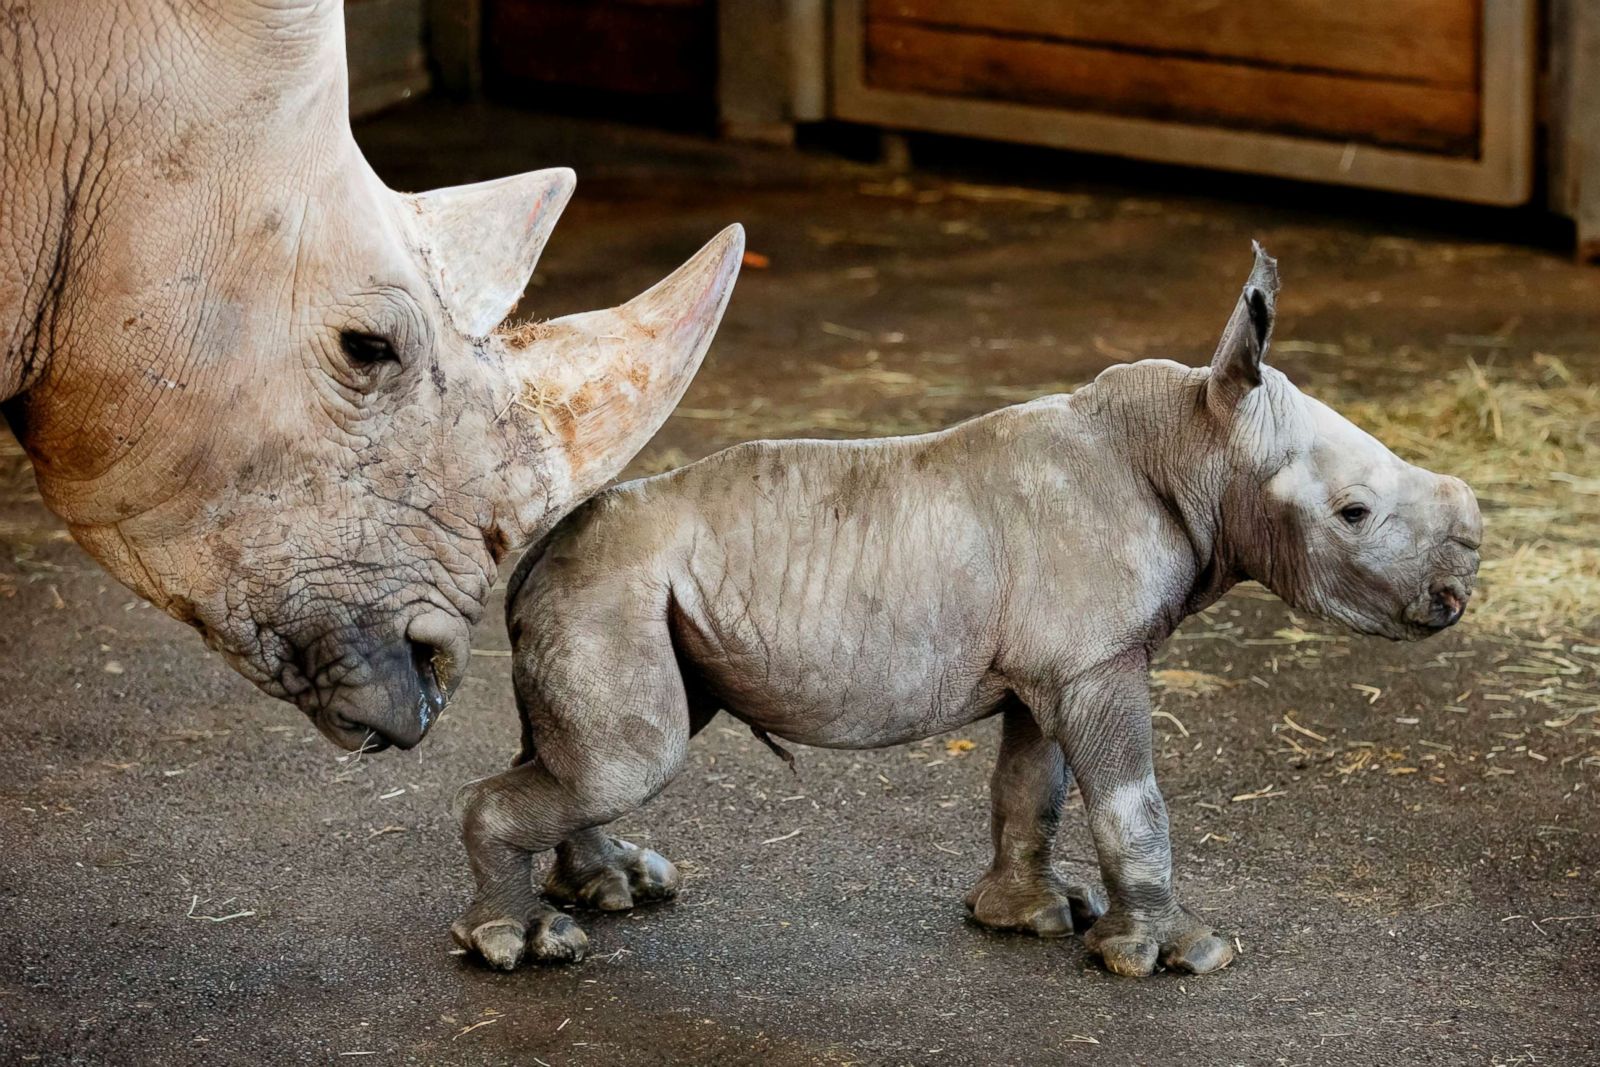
x: 1434, y: 97
x: 1433, y: 42
x: 1051, y: 73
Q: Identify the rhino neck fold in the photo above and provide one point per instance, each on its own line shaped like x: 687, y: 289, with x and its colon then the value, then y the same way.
x: 1156, y: 414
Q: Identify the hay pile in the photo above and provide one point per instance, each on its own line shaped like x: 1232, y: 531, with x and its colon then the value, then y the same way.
x: 1528, y: 441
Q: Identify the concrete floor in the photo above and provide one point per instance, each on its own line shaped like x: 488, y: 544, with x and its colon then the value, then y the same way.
x: 189, y: 875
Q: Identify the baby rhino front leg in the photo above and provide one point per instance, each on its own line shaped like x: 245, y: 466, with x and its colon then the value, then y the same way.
x: 599, y: 740
x: 506, y: 821
x: 1105, y: 733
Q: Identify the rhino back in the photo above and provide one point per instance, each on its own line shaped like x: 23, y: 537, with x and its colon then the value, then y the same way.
x: 860, y: 593
x: 840, y: 593
x: 866, y: 593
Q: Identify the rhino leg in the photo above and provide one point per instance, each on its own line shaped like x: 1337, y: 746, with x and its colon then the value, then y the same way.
x: 1021, y: 890
x: 598, y: 871
x: 502, y: 933
x: 607, y: 726
x: 508, y: 819
x: 1104, y: 729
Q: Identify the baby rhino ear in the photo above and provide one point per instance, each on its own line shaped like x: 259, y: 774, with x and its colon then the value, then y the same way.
x: 1236, y: 366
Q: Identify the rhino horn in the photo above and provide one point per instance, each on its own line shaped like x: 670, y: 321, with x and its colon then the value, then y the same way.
x: 598, y: 385
x: 481, y: 241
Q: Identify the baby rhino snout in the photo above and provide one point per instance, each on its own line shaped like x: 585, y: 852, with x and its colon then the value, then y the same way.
x: 1455, y: 560
x: 1440, y: 606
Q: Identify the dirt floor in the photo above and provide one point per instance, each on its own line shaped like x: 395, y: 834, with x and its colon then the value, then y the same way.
x: 1403, y: 838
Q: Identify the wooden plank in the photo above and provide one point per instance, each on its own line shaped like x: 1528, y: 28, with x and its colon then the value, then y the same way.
x: 1429, y: 41
x: 912, y: 58
x: 1502, y: 173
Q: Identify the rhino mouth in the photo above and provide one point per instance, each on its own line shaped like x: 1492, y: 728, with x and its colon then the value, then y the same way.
x: 398, y: 707
x: 378, y: 693
x: 353, y: 737
x: 1439, y: 606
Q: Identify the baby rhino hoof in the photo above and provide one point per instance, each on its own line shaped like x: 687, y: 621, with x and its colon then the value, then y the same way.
x: 502, y: 943
x: 1134, y: 947
x: 1045, y: 908
x: 620, y: 877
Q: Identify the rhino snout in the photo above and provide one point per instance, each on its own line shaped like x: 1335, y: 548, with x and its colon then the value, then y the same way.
x: 1440, y: 606
x: 408, y: 684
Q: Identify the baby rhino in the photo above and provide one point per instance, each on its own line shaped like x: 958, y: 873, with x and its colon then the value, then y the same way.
x: 1027, y: 563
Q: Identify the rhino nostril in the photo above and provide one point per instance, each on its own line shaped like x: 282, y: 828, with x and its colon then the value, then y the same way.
x: 1449, y: 601
x: 425, y: 659
x: 439, y: 653
x: 439, y: 649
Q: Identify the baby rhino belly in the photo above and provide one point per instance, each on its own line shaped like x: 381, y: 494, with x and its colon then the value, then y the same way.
x: 843, y: 665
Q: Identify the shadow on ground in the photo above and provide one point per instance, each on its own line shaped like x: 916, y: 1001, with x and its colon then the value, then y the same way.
x: 1403, y: 838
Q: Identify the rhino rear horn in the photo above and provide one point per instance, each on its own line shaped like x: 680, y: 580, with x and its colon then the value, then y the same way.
x: 598, y: 385
x: 1236, y: 365
x: 482, y: 241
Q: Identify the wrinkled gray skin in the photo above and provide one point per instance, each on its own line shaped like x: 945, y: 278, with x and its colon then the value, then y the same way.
x: 1027, y: 564
x: 272, y: 395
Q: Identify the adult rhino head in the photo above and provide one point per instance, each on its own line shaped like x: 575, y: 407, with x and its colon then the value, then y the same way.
x: 268, y: 393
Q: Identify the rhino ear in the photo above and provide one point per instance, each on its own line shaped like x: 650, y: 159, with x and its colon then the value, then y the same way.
x: 1236, y: 366
x: 481, y: 241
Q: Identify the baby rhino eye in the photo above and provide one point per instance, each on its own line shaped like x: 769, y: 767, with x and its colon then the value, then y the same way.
x: 1354, y: 513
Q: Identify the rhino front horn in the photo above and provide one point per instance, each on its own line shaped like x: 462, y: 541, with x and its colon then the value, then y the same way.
x: 599, y: 384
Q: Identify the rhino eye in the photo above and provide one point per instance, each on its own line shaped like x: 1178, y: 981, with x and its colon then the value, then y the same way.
x: 1354, y: 513
x: 367, y: 349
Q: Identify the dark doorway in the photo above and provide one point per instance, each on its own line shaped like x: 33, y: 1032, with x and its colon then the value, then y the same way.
x: 650, y: 61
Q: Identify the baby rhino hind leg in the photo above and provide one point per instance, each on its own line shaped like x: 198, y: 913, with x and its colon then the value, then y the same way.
x: 607, y: 727
x: 595, y: 870
x: 1021, y: 890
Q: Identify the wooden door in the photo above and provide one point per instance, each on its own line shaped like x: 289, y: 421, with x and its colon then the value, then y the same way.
x: 1365, y: 91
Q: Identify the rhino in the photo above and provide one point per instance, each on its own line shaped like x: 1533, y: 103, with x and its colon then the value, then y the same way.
x: 273, y: 396
x: 856, y: 594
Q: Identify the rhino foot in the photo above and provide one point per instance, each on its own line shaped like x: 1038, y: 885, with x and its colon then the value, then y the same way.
x: 1135, y: 947
x: 609, y: 874
x: 1039, y: 904
x: 547, y: 937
